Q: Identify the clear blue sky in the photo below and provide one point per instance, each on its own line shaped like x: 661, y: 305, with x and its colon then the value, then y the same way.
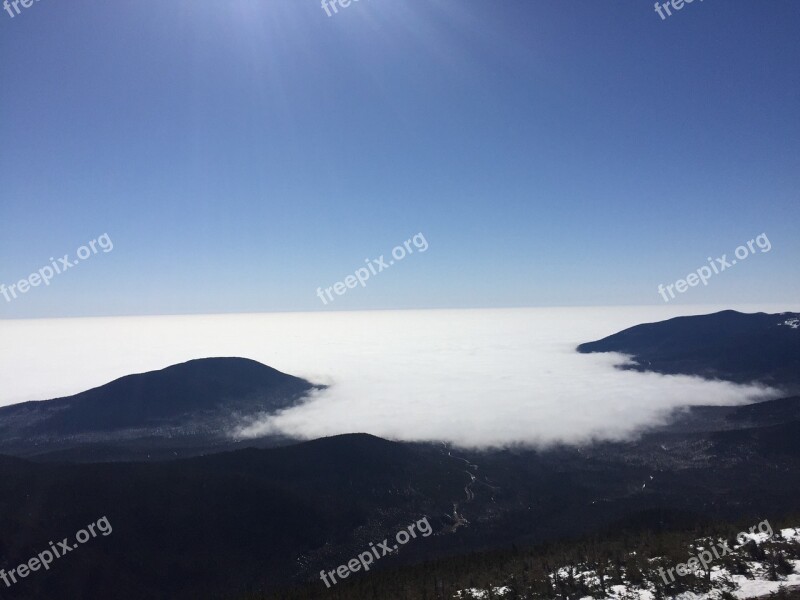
x: 240, y: 154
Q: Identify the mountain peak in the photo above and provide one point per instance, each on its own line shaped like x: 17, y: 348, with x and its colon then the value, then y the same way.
x: 730, y: 345
x: 197, y: 395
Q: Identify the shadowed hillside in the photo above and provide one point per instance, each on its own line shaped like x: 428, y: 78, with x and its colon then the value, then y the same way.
x: 726, y: 345
x: 198, y: 399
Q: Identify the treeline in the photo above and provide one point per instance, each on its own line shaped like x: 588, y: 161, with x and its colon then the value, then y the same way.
x: 568, y: 570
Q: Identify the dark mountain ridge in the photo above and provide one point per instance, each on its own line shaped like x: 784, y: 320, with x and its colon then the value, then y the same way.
x: 729, y: 345
x: 197, y: 399
x: 257, y: 519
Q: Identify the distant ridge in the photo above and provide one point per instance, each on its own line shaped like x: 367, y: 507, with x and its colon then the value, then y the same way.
x: 192, y: 398
x: 727, y: 345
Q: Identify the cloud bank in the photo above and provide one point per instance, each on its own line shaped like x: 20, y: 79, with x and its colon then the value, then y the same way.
x: 476, y: 378
x: 488, y: 379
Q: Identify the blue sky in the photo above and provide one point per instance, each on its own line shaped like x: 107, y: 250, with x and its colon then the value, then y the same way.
x: 241, y: 154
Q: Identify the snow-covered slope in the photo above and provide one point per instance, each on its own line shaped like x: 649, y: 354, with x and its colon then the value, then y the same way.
x: 757, y: 567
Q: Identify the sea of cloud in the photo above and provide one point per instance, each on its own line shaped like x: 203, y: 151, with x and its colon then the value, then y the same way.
x: 478, y: 378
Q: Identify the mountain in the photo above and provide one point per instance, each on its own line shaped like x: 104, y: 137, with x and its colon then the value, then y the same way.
x: 728, y: 345
x: 227, y: 522
x: 193, y: 402
x: 255, y: 520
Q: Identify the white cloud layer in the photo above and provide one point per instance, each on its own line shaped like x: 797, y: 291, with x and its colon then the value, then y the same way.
x: 470, y: 377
